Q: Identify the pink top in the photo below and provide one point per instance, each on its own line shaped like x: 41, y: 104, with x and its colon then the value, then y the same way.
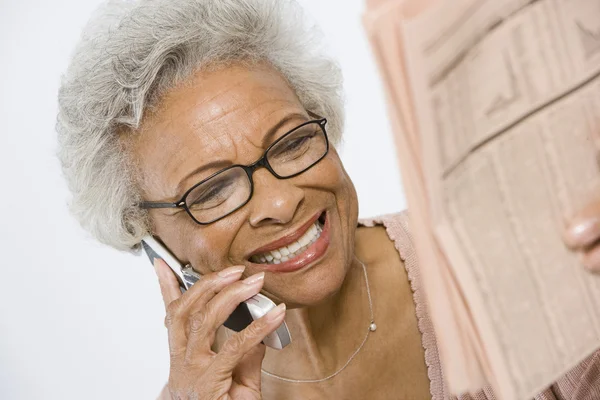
x: 581, y: 383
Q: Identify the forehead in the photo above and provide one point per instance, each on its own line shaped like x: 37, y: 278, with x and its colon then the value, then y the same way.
x: 219, y: 115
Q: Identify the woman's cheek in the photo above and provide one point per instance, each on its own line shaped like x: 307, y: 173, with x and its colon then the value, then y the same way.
x: 332, y: 174
x: 345, y: 183
x: 191, y: 243
x: 208, y: 251
x: 343, y: 188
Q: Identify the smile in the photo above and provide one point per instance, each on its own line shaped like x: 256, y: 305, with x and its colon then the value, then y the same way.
x: 292, y: 250
x: 297, y: 250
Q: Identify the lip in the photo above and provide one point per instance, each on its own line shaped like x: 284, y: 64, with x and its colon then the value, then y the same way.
x: 314, y: 252
x: 287, y: 239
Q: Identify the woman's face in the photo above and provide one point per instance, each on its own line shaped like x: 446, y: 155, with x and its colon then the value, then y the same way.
x: 221, y: 118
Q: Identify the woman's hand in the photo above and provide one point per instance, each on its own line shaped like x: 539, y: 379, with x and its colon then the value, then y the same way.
x: 583, y: 235
x: 192, y: 320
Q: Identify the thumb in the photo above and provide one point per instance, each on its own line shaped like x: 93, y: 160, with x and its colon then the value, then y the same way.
x: 169, y: 285
x: 583, y: 229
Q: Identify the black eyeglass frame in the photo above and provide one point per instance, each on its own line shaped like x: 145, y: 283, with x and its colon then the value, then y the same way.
x: 249, y: 169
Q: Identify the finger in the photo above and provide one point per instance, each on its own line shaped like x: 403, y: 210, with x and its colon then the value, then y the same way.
x: 584, y: 228
x: 206, y: 288
x: 591, y: 259
x: 204, y: 323
x: 169, y: 286
x: 240, y: 343
x: 194, y: 299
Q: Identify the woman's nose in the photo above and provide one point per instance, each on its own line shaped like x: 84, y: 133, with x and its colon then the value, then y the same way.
x: 275, y: 201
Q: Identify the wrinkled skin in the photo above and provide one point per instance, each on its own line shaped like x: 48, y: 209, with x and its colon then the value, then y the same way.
x: 224, y: 116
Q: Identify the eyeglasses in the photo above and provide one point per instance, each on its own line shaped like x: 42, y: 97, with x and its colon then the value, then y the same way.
x: 228, y: 190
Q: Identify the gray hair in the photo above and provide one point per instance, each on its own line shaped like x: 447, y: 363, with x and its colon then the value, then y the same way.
x: 131, y: 53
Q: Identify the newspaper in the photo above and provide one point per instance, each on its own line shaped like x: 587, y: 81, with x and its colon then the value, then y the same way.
x: 498, y: 110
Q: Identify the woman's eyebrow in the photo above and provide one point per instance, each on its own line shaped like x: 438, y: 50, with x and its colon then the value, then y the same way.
x: 268, y: 138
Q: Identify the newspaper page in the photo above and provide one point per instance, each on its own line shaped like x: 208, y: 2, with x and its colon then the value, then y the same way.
x: 449, y: 315
x: 507, y: 102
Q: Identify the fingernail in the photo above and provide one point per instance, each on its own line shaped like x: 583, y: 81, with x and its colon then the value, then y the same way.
x: 276, y: 312
x: 584, y: 233
x: 583, y: 227
x: 254, y: 279
x: 237, y: 270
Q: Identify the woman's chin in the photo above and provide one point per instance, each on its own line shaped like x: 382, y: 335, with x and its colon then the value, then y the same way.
x: 313, y: 288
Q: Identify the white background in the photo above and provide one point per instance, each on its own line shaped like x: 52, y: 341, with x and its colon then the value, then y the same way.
x: 79, y: 320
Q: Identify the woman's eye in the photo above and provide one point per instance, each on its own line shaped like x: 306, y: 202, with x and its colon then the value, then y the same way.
x: 211, y: 196
x: 295, y: 144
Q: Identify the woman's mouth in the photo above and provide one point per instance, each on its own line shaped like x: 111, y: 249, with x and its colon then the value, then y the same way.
x: 292, y: 250
x: 293, y: 256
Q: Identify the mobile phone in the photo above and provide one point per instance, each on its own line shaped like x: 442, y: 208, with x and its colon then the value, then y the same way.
x: 249, y: 310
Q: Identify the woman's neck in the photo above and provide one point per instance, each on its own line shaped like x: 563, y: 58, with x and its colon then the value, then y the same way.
x: 324, y: 336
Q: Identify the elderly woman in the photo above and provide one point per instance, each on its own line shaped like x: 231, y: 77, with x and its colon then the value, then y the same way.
x: 212, y: 125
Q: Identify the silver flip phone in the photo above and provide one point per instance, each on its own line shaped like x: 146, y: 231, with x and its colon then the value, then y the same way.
x: 249, y: 310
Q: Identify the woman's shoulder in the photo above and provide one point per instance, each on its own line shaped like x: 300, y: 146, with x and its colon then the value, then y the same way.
x: 397, y: 228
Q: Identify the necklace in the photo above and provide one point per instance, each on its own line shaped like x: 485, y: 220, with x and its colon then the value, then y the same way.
x: 372, y: 327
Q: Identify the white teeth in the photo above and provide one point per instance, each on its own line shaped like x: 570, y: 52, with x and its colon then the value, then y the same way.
x: 294, y: 247
x: 308, y: 237
x: 290, y: 251
x: 304, y: 241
